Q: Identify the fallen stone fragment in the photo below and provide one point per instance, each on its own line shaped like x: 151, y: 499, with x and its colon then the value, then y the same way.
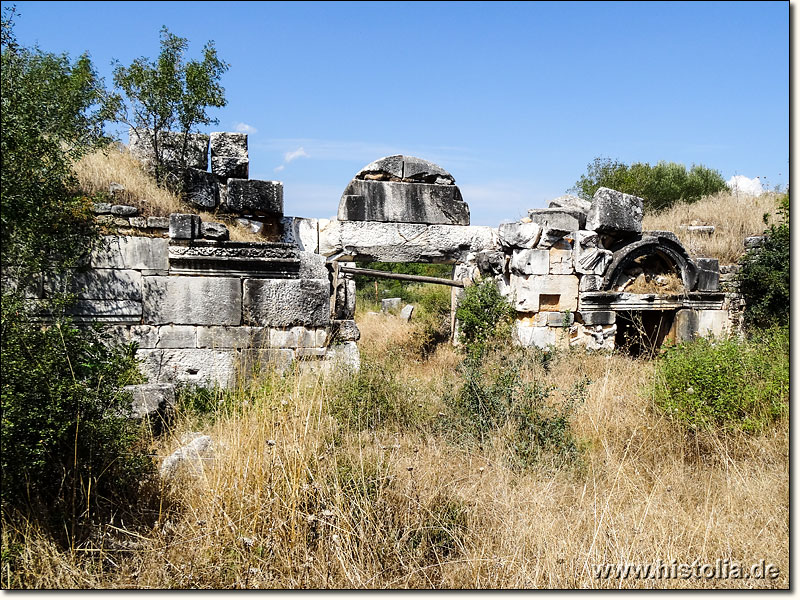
x: 406, y: 312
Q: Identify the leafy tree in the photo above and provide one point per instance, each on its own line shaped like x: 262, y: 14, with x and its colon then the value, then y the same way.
x: 764, y: 276
x: 169, y: 94
x: 660, y: 186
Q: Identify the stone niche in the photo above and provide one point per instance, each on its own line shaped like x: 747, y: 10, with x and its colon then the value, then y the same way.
x: 403, y: 189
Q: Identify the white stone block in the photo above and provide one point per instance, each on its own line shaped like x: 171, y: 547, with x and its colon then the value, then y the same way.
x: 530, y: 262
x: 192, y: 300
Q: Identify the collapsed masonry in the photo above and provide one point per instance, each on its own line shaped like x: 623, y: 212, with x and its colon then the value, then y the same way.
x: 206, y: 310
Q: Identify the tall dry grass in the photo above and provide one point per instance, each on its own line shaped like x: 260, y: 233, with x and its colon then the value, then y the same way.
x: 295, y: 498
x: 734, y: 217
x: 98, y: 170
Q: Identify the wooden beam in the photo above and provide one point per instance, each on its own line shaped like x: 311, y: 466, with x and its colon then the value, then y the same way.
x: 401, y: 276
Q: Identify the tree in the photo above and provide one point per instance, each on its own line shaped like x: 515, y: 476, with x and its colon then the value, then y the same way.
x: 660, y: 186
x: 169, y: 95
x: 764, y: 276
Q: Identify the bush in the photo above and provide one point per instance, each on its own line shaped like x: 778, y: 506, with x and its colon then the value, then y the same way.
x: 729, y: 384
x: 660, y: 186
x: 483, y: 315
x: 764, y: 276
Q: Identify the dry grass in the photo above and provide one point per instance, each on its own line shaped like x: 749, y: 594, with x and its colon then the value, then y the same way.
x: 734, y: 217
x: 397, y: 507
x: 668, y: 283
x: 96, y: 172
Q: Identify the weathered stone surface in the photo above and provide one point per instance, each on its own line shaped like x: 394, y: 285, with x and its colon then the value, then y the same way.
x: 177, y: 336
x: 615, y: 212
x: 593, y: 337
x: 390, y: 304
x: 388, y: 168
x: 701, y: 229
x: 201, y: 367
x: 519, y: 235
x: 530, y: 262
x: 106, y: 311
x: 344, y: 356
x: 171, y: 143
x: 490, y: 262
x: 152, y: 400
x: 559, y: 319
x: 192, y: 300
x: 304, y: 233
x: 184, y: 226
x: 590, y: 283
x: 248, y: 259
x: 189, y: 458
x: 754, y: 241
x: 254, y: 196
x: 287, y: 302
x: 131, y: 252
x: 545, y: 292
x: 707, y: 274
x: 98, y: 284
x: 232, y: 337
x: 561, y: 261
x: 406, y: 312
x: 399, y: 202
x: 225, y: 143
x: 101, y: 208
x: 550, y: 238
x: 557, y: 220
x: 344, y: 306
x: 214, y: 231
x: 405, y: 168
x: 589, y: 256
x: 138, y: 222
x: 230, y: 166
x: 598, y: 317
x: 312, y: 266
x: 571, y: 203
x: 201, y: 188
x: 158, y: 222
x: 298, y: 336
x: 123, y: 210
x: 539, y: 337
x: 146, y: 336
x: 691, y: 323
x: 345, y: 330
x: 255, y: 361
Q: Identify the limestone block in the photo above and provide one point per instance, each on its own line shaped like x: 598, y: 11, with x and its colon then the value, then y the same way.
x: 189, y: 458
x: 390, y: 167
x: 550, y: 238
x: 344, y: 356
x: 691, y: 323
x: 530, y: 262
x: 598, y: 317
x: 406, y: 312
x: 106, y: 311
x: 615, y: 212
x: 131, y: 252
x: 101, y: 208
x: 559, y: 319
x: 254, y: 361
x: 286, y: 302
x: 224, y: 143
x: 590, y: 283
x: 345, y: 330
x: 152, y: 400
x: 293, y: 337
x: 313, y: 266
x: 589, y: 256
x: 571, y: 203
x: 307, y: 353
x: 145, y: 336
x: 201, y: 367
x: 232, y: 337
x: 254, y: 196
x: 228, y: 167
x: 344, y: 306
x: 214, y: 231
x: 525, y: 294
x: 98, y: 284
x: 545, y: 292
x: 707, y: 274
x: 122, y: 210
x: 184, y: 226
x: 177, y: 336
x: 519, y: 235
x: 171, y: 143
x: 138, y: 222
x: 158, y: 222
x: 490, y: 262
x: 557, y: 220
x: 561, y: 262
x: 754, y: 241
x: 192, y: 300
x: 388, y: 242
x: 401, y: 202
x: 539, y: 337
x: 390, y: 304
x: 450, y: 240
x: 201, y: 189
x: 304, y: 233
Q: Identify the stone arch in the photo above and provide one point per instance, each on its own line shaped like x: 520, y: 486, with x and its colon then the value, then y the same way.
x: 664, y: 245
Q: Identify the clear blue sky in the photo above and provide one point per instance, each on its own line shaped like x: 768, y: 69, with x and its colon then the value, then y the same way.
x: 513, y: 99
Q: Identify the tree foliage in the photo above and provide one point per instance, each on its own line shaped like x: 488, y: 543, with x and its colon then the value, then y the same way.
x: 660, y: 186
x: 169, y: 94
x: 764, y: 276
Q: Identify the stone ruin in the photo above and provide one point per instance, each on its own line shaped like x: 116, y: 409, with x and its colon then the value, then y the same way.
x: 206, y: 310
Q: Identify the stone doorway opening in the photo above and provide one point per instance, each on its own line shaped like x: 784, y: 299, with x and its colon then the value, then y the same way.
x: 643, y: 332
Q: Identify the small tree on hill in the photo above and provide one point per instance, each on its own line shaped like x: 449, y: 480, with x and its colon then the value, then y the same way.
x: 169, y: 94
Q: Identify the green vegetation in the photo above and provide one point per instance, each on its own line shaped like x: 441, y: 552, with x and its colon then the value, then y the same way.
x: 483, y: 316
x: 169, y: 94
x: 660, y: 186
x: 764, y: 276
x: 728, y: 384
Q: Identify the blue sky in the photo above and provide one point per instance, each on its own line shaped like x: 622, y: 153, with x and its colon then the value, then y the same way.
x: 514, y: 99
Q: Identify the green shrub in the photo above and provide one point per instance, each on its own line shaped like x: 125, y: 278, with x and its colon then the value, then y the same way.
x: 660, y: 186
x: 483, y: 315
x: 727, y: 384
x: 764, y: 276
